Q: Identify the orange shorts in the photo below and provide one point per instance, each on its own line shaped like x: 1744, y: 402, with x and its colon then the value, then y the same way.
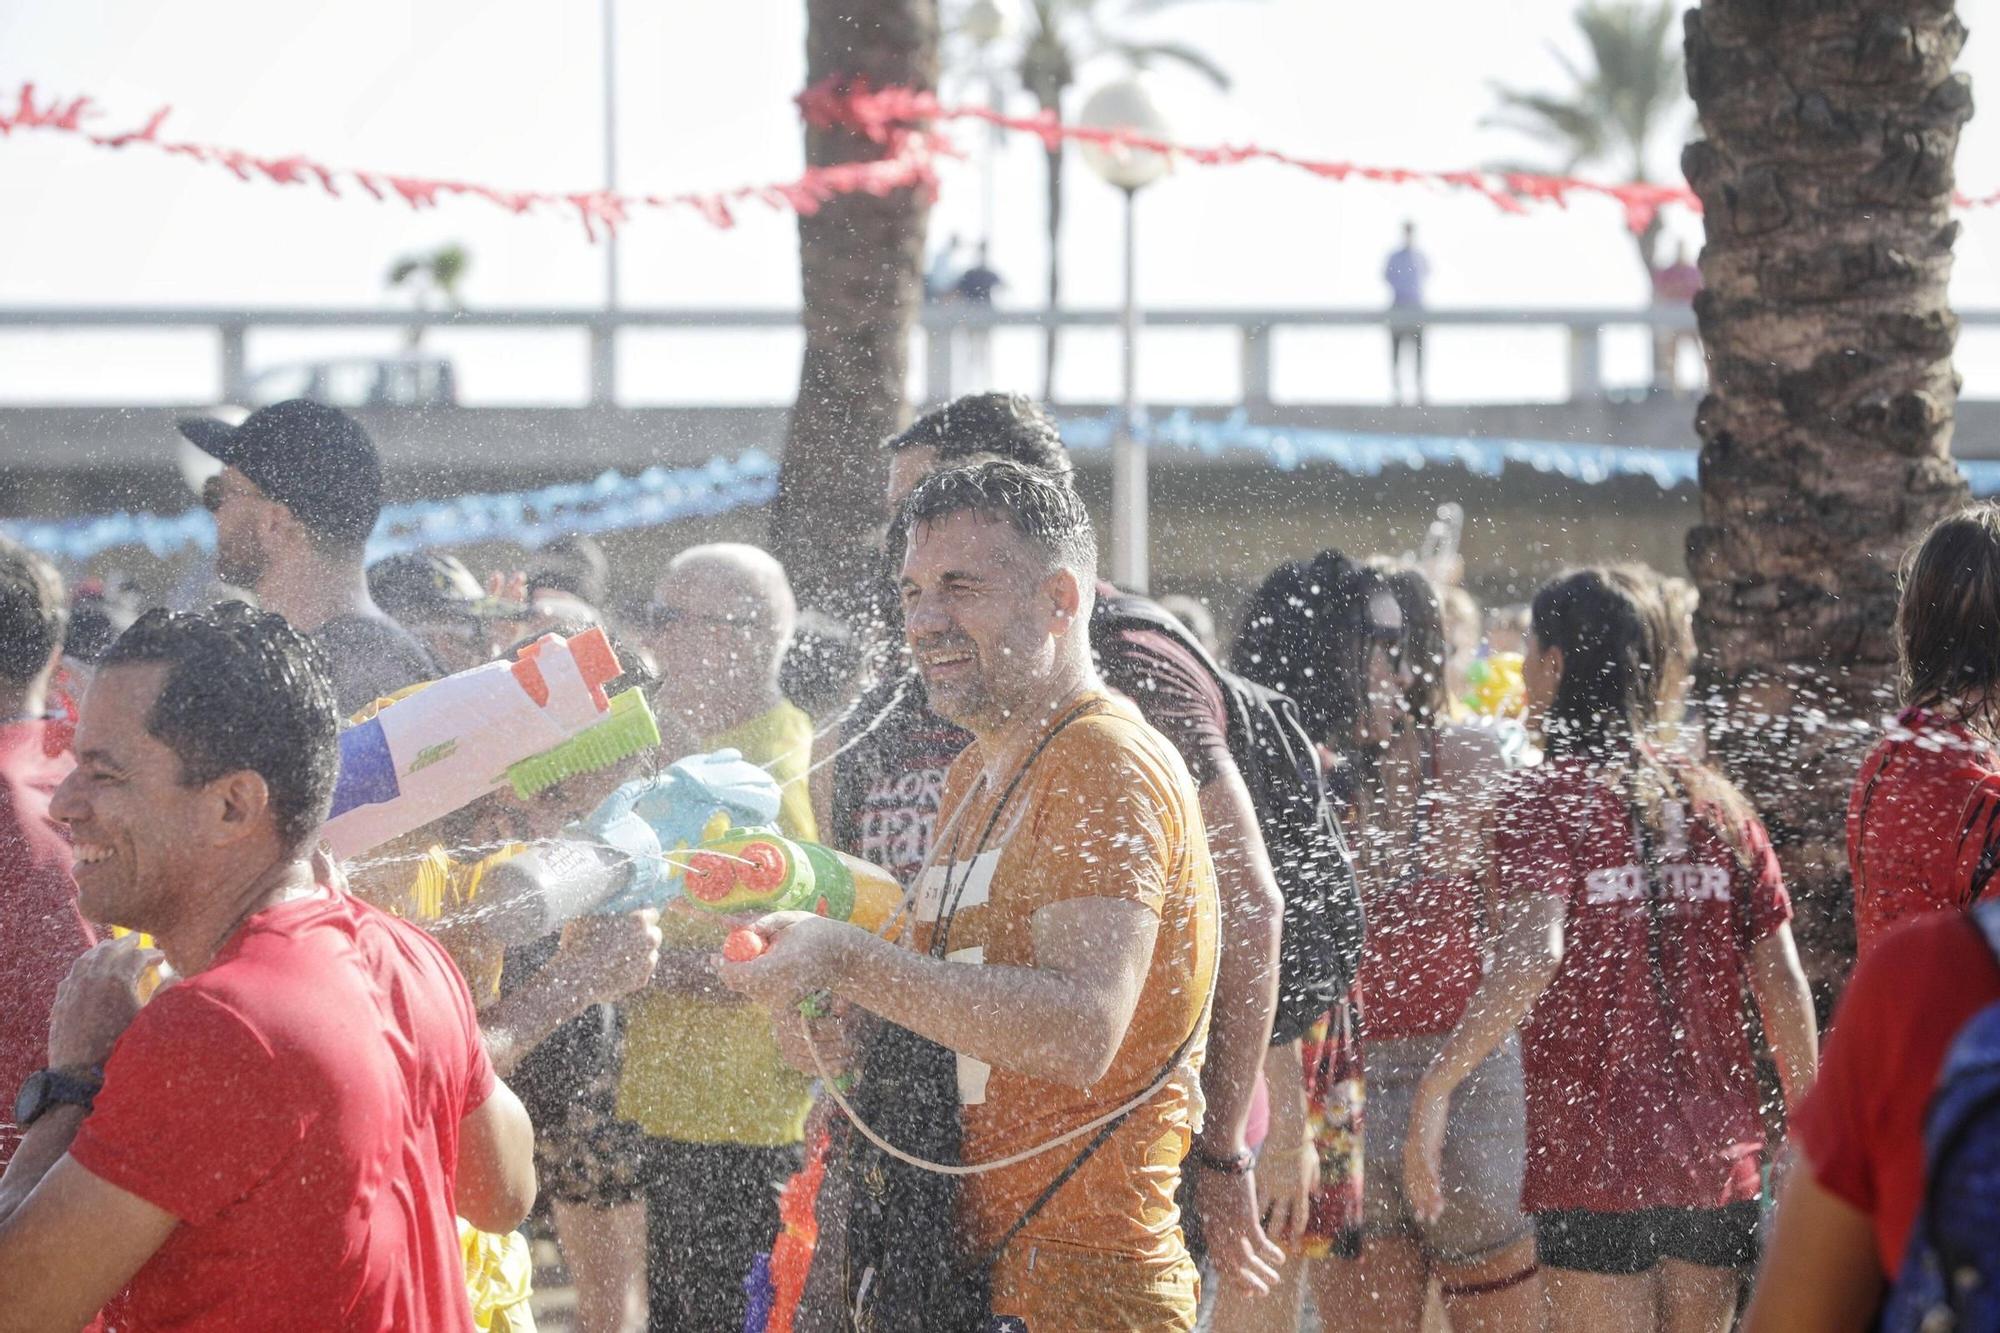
x: 1062, y: 1289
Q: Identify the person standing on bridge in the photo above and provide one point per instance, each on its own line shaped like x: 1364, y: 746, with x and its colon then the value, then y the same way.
x: 1406, y: 272
x: 293, y: 511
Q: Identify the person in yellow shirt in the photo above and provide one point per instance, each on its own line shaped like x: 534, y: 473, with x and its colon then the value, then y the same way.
x: 723, y: 1113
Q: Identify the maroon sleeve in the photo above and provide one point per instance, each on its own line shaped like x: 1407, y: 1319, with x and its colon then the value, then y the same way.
x: 193, y: 1114
x: 1176, y: 694
x: 41, y: 934
x: 1530, y: 841
x: 1770, y: 904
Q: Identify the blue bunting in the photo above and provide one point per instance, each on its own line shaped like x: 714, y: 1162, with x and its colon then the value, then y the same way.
x: 615, y: 502
x: 612, y: 502
x: 1288, y: 448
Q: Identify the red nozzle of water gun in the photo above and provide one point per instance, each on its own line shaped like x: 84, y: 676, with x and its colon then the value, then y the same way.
x: 743, y: 945
x: 709, y: 877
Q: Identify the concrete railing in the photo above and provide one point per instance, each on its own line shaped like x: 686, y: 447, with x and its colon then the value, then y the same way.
x: 947, y: 331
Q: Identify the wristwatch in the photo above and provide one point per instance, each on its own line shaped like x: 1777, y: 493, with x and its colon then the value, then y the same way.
x: 1239, y: 1163
x: 46, y: 1088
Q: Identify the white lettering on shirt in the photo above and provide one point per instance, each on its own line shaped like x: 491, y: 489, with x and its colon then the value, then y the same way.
x: 971, y: 882
x: 972, y: 1074
x: 1682, y: 883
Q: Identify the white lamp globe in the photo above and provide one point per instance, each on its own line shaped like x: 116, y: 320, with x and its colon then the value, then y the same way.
x: 1126, y: 104
x: 987, y: 21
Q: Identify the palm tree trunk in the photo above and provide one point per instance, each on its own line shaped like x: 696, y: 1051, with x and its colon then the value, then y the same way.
x: 1052, y: 335
x: 860, y: 263
x: 1825, y: 174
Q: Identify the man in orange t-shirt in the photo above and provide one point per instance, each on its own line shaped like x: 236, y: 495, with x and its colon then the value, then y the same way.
x: 1065, y: 925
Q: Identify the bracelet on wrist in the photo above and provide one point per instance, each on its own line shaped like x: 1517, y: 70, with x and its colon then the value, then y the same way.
x: 1239, y: 1163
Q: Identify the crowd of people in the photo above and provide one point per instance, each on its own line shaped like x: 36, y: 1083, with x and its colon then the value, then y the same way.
x: 1415, y: 960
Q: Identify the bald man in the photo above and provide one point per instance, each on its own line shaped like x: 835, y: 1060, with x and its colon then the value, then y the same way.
x: 720, y: 619
x: 723, y: 1112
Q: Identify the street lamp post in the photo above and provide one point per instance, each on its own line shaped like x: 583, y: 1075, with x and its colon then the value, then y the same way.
x: 1128, y: 104
x: 989, y: 24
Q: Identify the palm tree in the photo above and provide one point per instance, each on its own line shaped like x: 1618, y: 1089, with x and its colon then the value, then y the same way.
x: 436, y: 274
x: 1825, y: 173
x: 1617, y: 104
x: 860, y: 263
x: 1061, y: 37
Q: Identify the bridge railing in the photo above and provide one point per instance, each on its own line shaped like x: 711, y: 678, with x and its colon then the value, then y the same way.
x: 951, y: 335
x: 954, y: 338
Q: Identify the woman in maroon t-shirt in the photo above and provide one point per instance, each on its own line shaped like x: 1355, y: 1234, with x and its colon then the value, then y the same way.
x: 1421, y: 803
x: 1923, y: 822
x: 1639, y: 895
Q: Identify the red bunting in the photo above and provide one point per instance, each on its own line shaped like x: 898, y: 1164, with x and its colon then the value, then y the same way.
x: 878, y: 113
x: 910, y: 161
x: 900, y: 119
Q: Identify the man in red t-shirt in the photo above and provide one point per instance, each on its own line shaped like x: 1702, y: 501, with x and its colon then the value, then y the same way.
x: 41, y: 932
x: 1845, y: 1217
x: 281, y: 1137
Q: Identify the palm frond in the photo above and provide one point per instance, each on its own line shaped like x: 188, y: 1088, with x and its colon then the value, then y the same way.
x: 1144, y: 54
x: 1550, y: 119
x: 1619, y: 96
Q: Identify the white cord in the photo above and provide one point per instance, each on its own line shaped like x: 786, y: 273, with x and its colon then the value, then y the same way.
x: 1015, y: 1159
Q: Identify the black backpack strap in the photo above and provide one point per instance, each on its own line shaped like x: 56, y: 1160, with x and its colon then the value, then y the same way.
x: 1986, y: 920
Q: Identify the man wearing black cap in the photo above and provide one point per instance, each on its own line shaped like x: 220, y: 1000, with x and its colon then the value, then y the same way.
x: 294, y: 505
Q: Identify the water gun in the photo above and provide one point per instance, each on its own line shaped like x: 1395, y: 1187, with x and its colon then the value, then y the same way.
x: 530, y: 723
x: 697, y: 833
x: 626, y: 853
x: 755, y: 871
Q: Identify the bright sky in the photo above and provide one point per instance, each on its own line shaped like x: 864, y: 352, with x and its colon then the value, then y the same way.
x: 508, y: 92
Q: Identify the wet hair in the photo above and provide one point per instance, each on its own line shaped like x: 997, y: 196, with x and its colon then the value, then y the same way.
x: 1613, y: 626
x: 99, y: 611
x: 33, y: 613
x: 1005, y: 425
x: 1610, y: 626
x: 576, y: 565
x: 1037, y: 504
x: 1423, y: 647
x: 1306, y: 633
x: 1948, y: 619
x: 243, y: 690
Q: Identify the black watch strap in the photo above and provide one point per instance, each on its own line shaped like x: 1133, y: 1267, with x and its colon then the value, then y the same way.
x: 1240, y: 1163
x: 48, y: 1088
